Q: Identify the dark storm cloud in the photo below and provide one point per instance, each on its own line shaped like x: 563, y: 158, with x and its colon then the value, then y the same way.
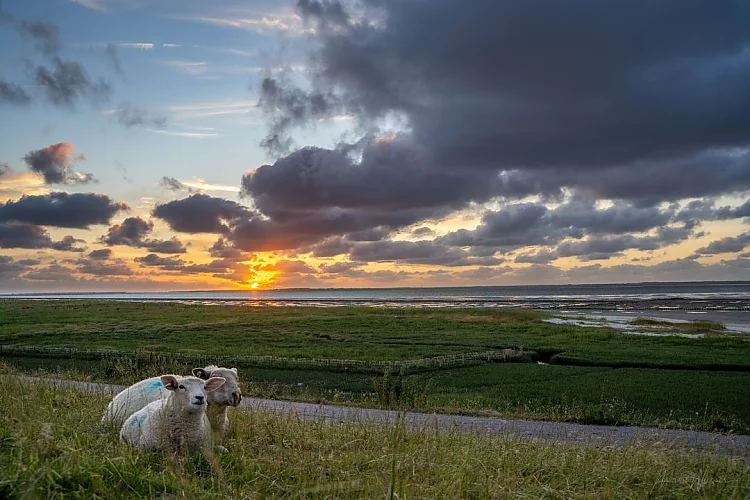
x: 330, y: 247
x: 53, y: 272
x: 132, y: 116
x: 419, y: 252
x: 13, y: 93
x: 200, y: 213
x: 422, y: 232
x: 77, y: 210
x: 9, y: 268
x: 53, y: 163
x: 133, y: 232
x: 224, y: 250
x: 99, y: 267
x: 391, y: 175
x: 526, y: 224
x: 153, y: 260
x: 298, y: 107
x: 21, y: 235
x: 101, y: 254
x: 541, y: 257
x: 726, y: 245
x: 623, y: 99
x: 218, y: 268
x: 130, y: 232
x: 307, y: 228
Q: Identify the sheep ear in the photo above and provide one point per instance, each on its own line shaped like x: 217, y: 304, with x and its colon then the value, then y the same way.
x: 169, y: 381
x: 214, y: 383
x: 200, y: 373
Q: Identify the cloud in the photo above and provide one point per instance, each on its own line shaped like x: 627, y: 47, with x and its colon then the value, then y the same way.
x: 206, y: 109
x: 54, y: 164
x: 4, y: 169
x: 99, y: 267
x: 193, y: 68
x: 110, y: 51
x: 173, y: 184
x: 419, y: 252
x: 131, y: 116
x: 13, y: 93
x: 552, y: 96
x: 63, y: 82
x: 21, y: 235
x: 289, y: 267
x: 284, y: 22
x: 224, y: 250
x: 9, y: 268
x: 101, y: 254
x: 726, y: 245
x: 133, y: 232
x: 45, y: 35
x: 67, y: 82
x: 189, y: 135
x: 540, y: 257
x: 200, y: 213
x: 153, y: 260
x: 78, y: 210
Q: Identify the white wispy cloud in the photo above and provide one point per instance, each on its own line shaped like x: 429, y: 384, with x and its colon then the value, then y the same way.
x: 239, y: 52
x: 93, y: 4
x: 145, y: 46
x: 287, y: 21
x: 194, y: 68
x: 171, y: 45
x: 190, y: 135
x: 202, y: 185
x: 206, y: 109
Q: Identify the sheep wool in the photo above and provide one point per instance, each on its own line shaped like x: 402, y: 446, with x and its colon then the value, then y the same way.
x: 177, y: 422
x: 138, y: 395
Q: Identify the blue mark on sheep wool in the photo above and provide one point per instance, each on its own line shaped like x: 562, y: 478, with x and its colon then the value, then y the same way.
x: 154, y: 385
x: 137, y: 420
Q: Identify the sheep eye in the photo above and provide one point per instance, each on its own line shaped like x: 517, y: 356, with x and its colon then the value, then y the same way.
x: 182, y: 387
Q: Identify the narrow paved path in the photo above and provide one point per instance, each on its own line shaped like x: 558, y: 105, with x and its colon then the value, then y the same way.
x: 520, y: 430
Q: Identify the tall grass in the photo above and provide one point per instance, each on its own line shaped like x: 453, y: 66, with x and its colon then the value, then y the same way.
x: 51, y: 446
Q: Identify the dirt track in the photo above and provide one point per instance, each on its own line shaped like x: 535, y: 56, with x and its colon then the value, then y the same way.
x: 520, y: 430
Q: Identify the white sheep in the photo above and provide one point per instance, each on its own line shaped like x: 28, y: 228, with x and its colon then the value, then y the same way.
x: 138, y: 395
x: 177, y: 422
x: 221, y: 399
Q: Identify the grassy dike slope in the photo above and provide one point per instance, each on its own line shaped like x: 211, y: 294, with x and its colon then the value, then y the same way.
x: 51, y: 446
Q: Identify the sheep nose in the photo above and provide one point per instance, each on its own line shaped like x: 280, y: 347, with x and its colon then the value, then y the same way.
x: 200, y: 398
x: 237, y: 397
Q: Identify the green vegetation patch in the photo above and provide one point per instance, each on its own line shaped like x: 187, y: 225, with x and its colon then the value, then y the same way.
x: 51, y: 446
x: 344, y: 333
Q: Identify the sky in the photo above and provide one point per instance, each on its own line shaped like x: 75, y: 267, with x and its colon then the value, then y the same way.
x: 191, y: 145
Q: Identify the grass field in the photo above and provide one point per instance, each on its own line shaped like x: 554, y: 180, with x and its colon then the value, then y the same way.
x: 51, y: 446
x: 596, y: 375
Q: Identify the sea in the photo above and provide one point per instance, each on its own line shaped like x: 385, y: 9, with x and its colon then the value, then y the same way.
x: 725, y: 302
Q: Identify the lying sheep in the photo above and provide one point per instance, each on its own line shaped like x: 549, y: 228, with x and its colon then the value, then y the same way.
x: 138, y: 395
x: 221, y: 399
x: 177, y: 422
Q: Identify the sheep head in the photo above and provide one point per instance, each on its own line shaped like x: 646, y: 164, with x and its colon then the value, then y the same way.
x: 191, y: 392
x: 228, y: 394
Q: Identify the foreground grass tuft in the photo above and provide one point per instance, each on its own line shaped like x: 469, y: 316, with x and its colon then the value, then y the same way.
x: 52, y: 446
